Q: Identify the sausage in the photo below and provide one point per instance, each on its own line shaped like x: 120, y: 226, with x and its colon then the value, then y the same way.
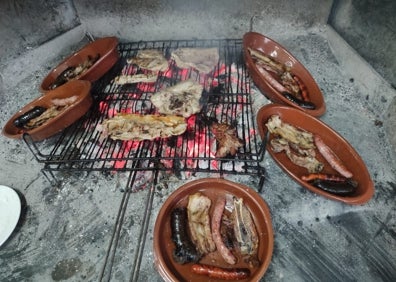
x: 323, y: 176
x: 337, y: 188
x: 303, y: 88
x: 331, y: 157
x: 221, y: 273
x: 216, y: 235
x: 303, y: 104
x: 271, y: 80
x: 22, y: 120
x: 185, y: 250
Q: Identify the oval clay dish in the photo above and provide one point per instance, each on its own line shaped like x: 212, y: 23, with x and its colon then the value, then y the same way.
x: 212, y: 188
x: 69, y: 115
x: 105, y: 48
x: 338, y: 144
x: 269, y: 47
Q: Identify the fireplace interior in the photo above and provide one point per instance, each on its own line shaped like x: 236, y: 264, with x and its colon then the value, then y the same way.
x: 89, y: 205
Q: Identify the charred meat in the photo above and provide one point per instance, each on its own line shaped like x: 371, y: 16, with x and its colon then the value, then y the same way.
x: 228, y: 142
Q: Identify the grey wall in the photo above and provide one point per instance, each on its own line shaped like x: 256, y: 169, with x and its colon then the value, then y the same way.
x: 26, y: 24
x: 370, y: 28
x: 367, y: 25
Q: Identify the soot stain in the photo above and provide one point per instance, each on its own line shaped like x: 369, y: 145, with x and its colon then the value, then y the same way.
x: 66, y: 269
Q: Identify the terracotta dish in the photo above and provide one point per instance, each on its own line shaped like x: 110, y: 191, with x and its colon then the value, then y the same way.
x: 79, y: 88
x: 104, y: 49
x: 212, y: 188
x: 332, y: 139
x: 269, y: 47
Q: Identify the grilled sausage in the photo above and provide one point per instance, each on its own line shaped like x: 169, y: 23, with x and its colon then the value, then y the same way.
x: 22, y: 120
x: 216, y: 235
x: 185, y: 250
x: 331, y: 157
x: 271, y: 80
x: 323, y: 176
x: 221, y: 273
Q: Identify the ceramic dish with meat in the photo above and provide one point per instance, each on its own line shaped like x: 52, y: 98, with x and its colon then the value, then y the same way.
x: 213, y: 229
x: 89, y: 63
x: 51, y: 113
x: 280, y: 76
x: 314, y: 155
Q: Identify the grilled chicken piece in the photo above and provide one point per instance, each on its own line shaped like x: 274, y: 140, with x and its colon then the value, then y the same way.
x: 292, y: 134
x: 149, y: 59
x: 201, y: 59
x: 199, y: 223
x: 245, y: 232
x: 227, y: 139
x: 181, y: 99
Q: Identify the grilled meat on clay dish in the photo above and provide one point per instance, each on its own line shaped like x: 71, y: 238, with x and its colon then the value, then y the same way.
x: 199, y: 223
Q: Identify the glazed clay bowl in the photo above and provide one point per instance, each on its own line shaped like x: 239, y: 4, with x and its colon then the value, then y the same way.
x: 345, y: 152
x: 212, y: 188
x: 105, y: 48
x: 269, y: 47
x: 83, y: 101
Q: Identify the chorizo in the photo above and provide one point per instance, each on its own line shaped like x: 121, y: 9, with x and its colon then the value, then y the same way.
x: 303, y: 88
x: 221, y: 273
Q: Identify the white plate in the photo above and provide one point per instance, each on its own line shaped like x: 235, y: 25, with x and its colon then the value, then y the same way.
x: 10, y: 211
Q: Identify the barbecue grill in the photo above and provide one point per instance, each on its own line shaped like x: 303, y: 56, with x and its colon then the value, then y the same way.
x: 227, y: 99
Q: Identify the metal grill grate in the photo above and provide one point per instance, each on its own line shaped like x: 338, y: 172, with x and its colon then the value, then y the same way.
x: 226, y: 99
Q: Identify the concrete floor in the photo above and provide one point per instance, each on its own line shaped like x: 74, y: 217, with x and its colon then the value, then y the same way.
x: 65, y: 231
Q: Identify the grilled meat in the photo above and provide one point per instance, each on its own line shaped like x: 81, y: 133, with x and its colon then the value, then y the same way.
x: 142, y: 127
x: 228, y: 142
x: 199, y: 223
x: 304, y: 158
x: 181, y: 99
x: 245, y: 232
x: 292, y: 134
x: 202, y: 59
x: 149, y: 59
x: 135, y: 78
